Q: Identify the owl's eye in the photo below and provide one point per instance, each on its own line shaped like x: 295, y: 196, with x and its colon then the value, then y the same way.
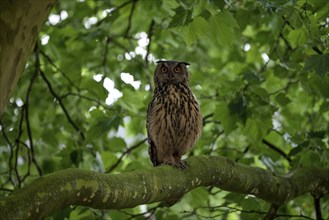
x: 177, y: 69
x: 164, y: 69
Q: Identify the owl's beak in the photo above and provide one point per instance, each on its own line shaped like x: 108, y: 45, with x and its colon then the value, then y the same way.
x: 170, y: 74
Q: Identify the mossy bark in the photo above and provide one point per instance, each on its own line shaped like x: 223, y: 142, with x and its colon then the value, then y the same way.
x: 117, y: 191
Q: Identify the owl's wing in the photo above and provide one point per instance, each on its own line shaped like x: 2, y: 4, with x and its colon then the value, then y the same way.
x: 153, y: 153
x: 152, y: 148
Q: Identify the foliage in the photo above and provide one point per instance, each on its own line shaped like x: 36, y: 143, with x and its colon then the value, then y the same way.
x: 260, y: 70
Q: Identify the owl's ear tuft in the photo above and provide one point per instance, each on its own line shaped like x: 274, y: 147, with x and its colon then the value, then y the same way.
x: 185, y: 63
x: 160, y: 61
x: 179, y: 62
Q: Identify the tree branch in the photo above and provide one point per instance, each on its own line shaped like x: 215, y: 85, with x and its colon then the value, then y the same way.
x: 116, y: 191
x: 150, y: 36
x: 132, y: 10
x: 26, y: 108
x: 52, y: 63
x: 277, y: 149
x: 11, y: 154
x: 43, y: 76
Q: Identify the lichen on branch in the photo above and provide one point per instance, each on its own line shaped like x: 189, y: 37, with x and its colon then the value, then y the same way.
x: 116, y: 191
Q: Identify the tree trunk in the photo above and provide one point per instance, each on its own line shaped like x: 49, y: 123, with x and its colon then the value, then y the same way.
x: 20, y: 22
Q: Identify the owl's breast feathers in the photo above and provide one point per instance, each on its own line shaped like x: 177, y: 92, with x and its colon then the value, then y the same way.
x: 174, y: 120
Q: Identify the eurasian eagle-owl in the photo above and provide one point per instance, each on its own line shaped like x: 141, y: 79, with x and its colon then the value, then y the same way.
x: 174, y: 121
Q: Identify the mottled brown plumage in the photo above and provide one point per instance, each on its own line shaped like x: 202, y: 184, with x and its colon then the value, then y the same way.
x: 174, y: 120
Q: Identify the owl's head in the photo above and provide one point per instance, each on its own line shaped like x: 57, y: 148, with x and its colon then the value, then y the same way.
x: 171, y: 71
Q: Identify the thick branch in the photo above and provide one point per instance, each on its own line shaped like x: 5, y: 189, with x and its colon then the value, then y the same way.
x: 116, y: 191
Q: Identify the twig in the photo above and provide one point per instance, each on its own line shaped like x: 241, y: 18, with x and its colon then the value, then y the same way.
x: 124, y: 154
x: 317, y: 50
x: 243, y: 153
x: 99, y: 103
x: 57, y: 68
x: 26, y: 107
x: 287, y: 22
x: 123, y: 47
x: 213, y: 143
x: 17, y: 143
x: 61, y: 104
x: 271, y: 214
x: 130, y: 18
x: 276, y: 149
x: 284, y: 88
x: 106, y: 50
x: 29, y: 161
x: 30, y: 149
x: 147, y: 214
x: 150, y: 35
x: 287, y: 43
x: 5, y: 189
x: 204, y: 119
x: 276, y: 45
x: 11, y: 146
x: 114, y: 10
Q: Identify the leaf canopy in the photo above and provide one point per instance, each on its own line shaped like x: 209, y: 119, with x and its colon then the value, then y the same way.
x: 260, y: 70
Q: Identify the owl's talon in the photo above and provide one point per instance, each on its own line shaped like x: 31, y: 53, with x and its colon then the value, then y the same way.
x: 182, y: 164
x: 176, y: 164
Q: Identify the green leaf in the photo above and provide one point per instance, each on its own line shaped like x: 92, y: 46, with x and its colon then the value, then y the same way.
x: 320, y: 85
x: 101, y: 127
x: 48, y: 166
x: 238, y: 107
x: 282, y: 99
x: 197, y: 197
x: 296, y: 150
x: 295, y: 17
x: 132, y: 101
x: 188, y: 35
x: 219, y: 4
x: 65, y: 156
x: 109, y: 159
x: 200, y: 27
x: 254, y: 131
x: 310, y: 158
x: 68, y: 31
x: 61, y: 214
x: 76, y: 157
x: 95, y: 89
x: 115, y: 144
x: 81, y: 213
x: 318, y: 63
x: 227, y: 120
x: 298, y: 37
x: 182, y: 17
x: 222, y: 28
x: 197, y: 29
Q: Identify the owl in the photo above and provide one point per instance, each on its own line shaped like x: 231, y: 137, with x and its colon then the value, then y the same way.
x: 174, y: 120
